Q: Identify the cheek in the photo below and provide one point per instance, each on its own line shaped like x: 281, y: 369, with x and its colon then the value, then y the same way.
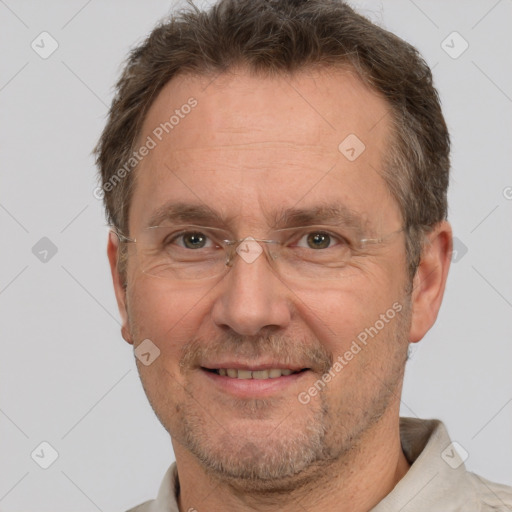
x: 337, y: 314
x: 168, y: 316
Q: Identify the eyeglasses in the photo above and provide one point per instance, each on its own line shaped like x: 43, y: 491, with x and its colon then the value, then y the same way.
x: 190, y: 252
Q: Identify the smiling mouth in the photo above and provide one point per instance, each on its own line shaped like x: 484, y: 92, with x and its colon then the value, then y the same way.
x: 272, y: 373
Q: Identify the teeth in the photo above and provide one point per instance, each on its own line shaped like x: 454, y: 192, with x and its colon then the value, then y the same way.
x: 260, y: 374
x: 274, y: 373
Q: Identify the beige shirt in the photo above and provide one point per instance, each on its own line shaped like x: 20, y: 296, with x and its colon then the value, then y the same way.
x: 436, y: 482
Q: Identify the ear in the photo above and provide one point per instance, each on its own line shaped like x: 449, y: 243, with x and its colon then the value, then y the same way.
x: 430, y: 280
x: 118, y: 281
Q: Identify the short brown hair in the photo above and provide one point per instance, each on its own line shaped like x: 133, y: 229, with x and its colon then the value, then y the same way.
x: 283, y: 36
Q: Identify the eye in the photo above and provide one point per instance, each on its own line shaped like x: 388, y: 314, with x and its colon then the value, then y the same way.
x: 318, y: 240
x: 192, y: 240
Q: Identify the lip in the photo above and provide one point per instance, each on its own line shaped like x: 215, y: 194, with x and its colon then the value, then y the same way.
x: 253, y: 388
x: 254, y: 367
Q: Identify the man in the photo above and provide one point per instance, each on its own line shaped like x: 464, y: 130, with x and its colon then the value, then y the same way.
x: 275, y: 173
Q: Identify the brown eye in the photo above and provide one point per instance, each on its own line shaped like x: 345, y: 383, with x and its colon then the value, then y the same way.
x: 194, y: 240
x: 318, y: 240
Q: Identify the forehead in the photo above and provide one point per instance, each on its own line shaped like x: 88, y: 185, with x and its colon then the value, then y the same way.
x: 239, y: 142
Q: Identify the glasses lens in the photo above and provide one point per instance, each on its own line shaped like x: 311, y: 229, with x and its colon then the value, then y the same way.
x: 311, y: 253
x: 182, y: 252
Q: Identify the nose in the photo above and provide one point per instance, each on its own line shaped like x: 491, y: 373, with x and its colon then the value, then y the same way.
x: 251, y: 297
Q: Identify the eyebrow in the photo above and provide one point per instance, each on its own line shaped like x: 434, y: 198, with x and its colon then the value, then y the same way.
x: 331, y: 214
x: 184, y: 212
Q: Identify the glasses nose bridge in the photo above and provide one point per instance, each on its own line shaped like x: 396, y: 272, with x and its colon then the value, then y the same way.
x: 249, y: 253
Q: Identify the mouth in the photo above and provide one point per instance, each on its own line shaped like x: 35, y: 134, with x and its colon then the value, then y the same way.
x: 245, y: 374
x: 251, y: 381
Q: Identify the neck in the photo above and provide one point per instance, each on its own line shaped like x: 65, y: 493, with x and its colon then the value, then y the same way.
x: 357, y: 483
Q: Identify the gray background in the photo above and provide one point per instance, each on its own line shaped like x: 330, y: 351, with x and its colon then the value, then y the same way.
x: 66, y: 376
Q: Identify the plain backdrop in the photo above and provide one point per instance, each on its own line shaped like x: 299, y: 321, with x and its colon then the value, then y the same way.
x: 66, y: 376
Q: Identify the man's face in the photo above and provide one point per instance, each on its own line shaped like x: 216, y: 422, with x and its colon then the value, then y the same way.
x: 256, y: 152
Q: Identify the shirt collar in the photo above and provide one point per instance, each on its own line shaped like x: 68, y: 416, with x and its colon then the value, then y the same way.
x: 436, y: 471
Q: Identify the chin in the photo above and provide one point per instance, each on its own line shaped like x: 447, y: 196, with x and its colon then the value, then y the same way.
x: 262, y: 458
